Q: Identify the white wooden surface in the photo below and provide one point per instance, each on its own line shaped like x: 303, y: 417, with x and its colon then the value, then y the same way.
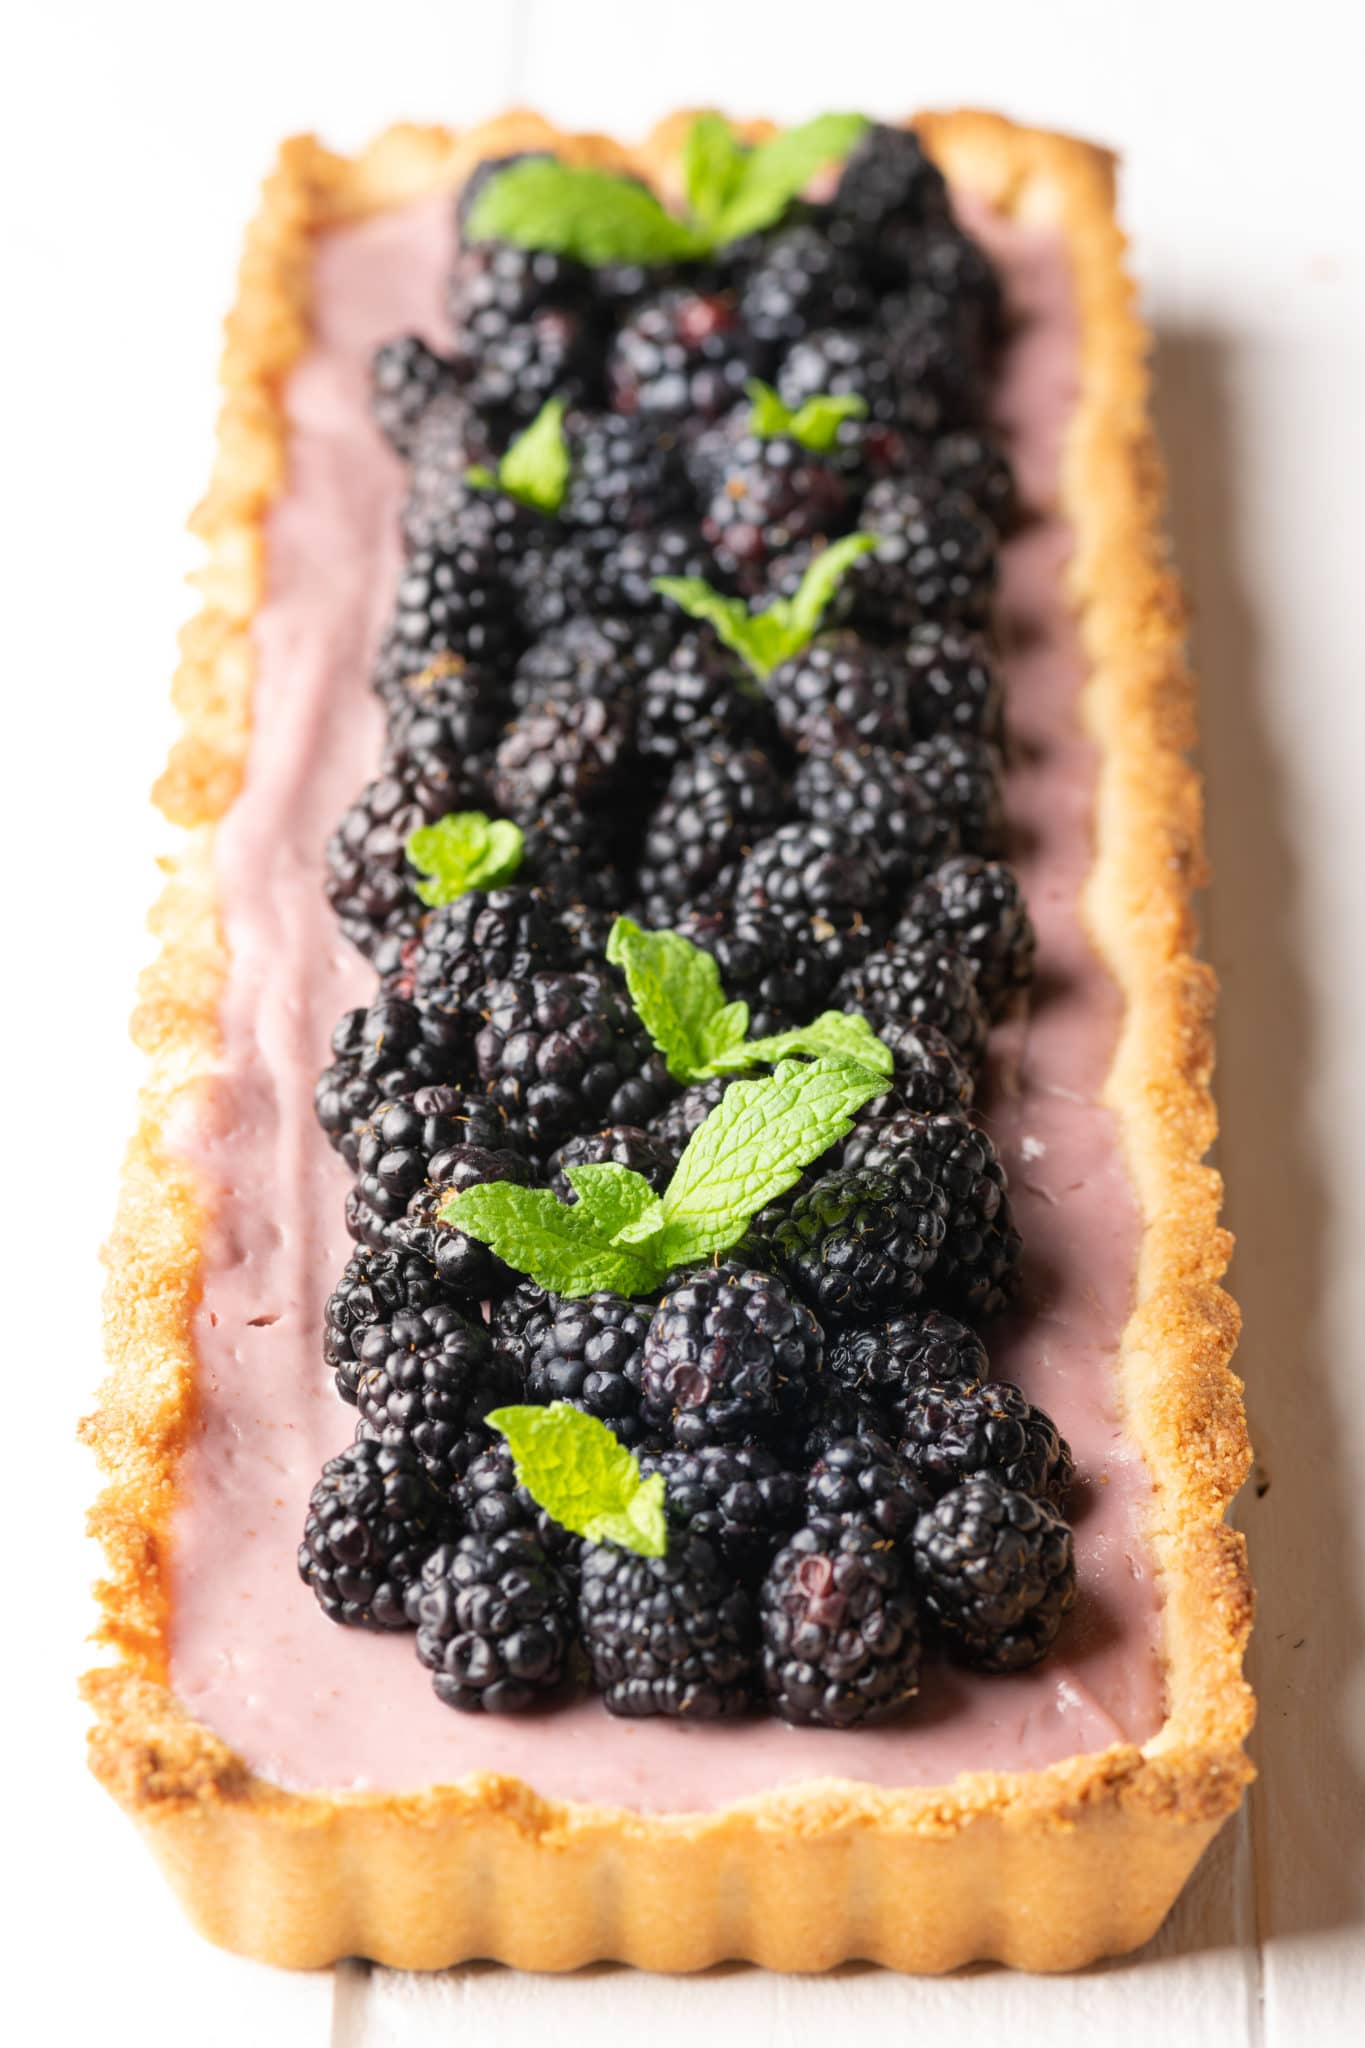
x: 133, y: 137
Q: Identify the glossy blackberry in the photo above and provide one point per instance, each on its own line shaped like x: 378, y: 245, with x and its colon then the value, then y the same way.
x: 840, y: 1627
x: 859, y: 1241
x: 978, y: 1268
x: 971, y: 462
x: 501, y: 279
x: 956, y: 1430
x: 485, y: 935
x: 964, y: 778
x: 718, y: 805
x: 737, y: 1496
x: 840, y: 692
x: 977, y: 907
x: 563, y: 1051
x: 494, y: 1623
x: 373, y: 1517
x: 568, y: 853
x: 698, y: 697
x: 832, y: 1413
x: 825, y: 884
x: 678, y: 1122
x: 389, y: 1050
x: 599, y: 657
x: 557, y: 584
x: 783, y: 976
x: 872, y: 792
x: 462, y: 599
x: 682, y: 355
x: 801, y: 279
x: 923, y: 985
x: 626, y: 572
x: 517, y: 1318
x: 369, y: 882
x: 929, y: 1076
x: 405, y: 376
x: 627, y: 475
x: 375, y: 1287
x: 773, y: 494
x: 424, y: 1380
x: 561, y: 750
x: 935, y: 559
x: 729, y: 1353
x: 955, y: 686
x: 590, y: 1354
x: 887, y: 181
x: 670, y: 1635
x: 888, y: 1360
x: 847, y: 360
x: 618, y: 1145
x: 449, y: 712
x: 996, y: 1572
x: 491, y: 1502
x: 509, y: 367
x: 863, y: 1479
x: 467, y: 1267
x: 395, y: 1149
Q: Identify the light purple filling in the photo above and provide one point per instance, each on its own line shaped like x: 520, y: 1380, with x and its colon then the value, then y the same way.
x: 308, y: 1704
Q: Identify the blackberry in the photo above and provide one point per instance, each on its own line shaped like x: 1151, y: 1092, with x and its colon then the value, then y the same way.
x: 887, y: 181
x: 451, y: 709
x: 825, y: 884
x: 590, y: 1354
x: 963, y: 778
x: 938, y: 356
x: 737, y: 1496
x: 570, y: 751
x: 888, y: 1360
x: 729, y: 1353
x: 617, y: 1145
x: 374, y: 1287
x: 556, y: 585
x: 676, y: 1125
x: 485, y: 935
x: 681, y: 355
x: 698, y: 697
x: 600, y: 657
x: 833, y: 1413
x: 971, y: 462
x: 923, y: 985
x: 717, y: 806
x: 956, y: 1430
x: 509, y: 368
x: 773, y: 494
x: 943, y: 260
x: 514, y: 284
x: 405, y: 376
x: 425, y: 1380
x: 850, y: 360
x: 871, y: 791
x: 395, y: 1149
x: 467, y: 1267
x: 627, y: 475
x: 369, y: 882
x: 935, y: 559
x: 494, y: 1623
x: 954, y: 684
x: 996, y: 1572
x: 491, y: 1502
x: 667, y: 1635
x: 840, y: 1627
x: 517, y: 1318
x: 561, y: 1051
x: 443, y: 442
x: 859, y: 1241
x: 929, y: 1076
x: 568, y: 853
x: 799, y: 280
x: 840, y: 692
x: 977, y: 907
x: 978, y: 1267
x: 461, y: 599
x: 782, y: 976
x: 373, y: 1517
x: 861, y: 1479
x: 389, y: 1050
x: 627, y: 572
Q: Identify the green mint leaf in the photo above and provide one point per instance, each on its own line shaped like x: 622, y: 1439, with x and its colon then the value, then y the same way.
x: 713, y: 160
x: 729, y: 615
x: 594, y: 216
x: 675, y: 987
x: 776, y: 171
x: 557, y: 1244
x: 820, y: 582
x: 612, y: 1197
x: 835, y: 1035
x: 535, y: 468
x: 464, y: 850
x: 480, y: 477
x: 573, y: 1467
x: 815, y: 425
x: 769, y: 414
x: 752, y: 1148
x: 784, y: 626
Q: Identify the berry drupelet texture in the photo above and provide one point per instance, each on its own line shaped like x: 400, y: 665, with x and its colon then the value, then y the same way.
x: 617, y: 1145
x: 956, y: 1430
x: 696, y: 698
x: 840, y: 692
x: 682, y: 355
x: 923, y: 985
x: 858, y: 1241
x: 782, y: 976
x: 374, y: 1287
x: 466, y: 1266
x: 425, y: 1380
x: 996, y: 1572
x: 379, y: 1055
x: 889, y: 1361
x: 563, y: 1051
x: 494, y: 1622
x: 863, y: 1479
x: 369, y: 882
x: 591, y: 1354
x: 485, y: 935
x: 824, y: 884
x: 963, y: 778
x: 730, y: 1352
x: 954, y: 685
x: 405, y: 376
x: 872, y: 791
x: 717, y: 806
x: 373, y: 1517
x: 737, y: 1496
x: 670, y: 1635
x: 977, y: 908
x: 840, y: 1628
x: 935, y: 559
x: 977, y: 1272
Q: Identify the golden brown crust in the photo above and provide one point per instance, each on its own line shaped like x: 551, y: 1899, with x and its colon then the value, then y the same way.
x: 1044, y: 1869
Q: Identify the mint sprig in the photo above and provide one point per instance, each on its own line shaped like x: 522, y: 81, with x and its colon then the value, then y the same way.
x: 620, y: 1237
x: 535, y: 469
x: 575, y: 1469
x: 815, y: 424
x: 462, y: 851
x: 781, y: 628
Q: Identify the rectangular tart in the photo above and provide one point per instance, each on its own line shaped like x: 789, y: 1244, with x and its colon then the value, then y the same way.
x: 1044, y: 1848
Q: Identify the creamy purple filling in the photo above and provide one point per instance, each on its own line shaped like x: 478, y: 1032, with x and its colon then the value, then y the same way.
x: 308, y: 1704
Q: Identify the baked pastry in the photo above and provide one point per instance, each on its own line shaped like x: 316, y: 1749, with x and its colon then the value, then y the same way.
x: 1041, y: 1818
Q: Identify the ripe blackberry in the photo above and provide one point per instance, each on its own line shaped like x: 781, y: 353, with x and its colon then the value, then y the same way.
x: 857, y: 1241
x: 717, y: 806
x: 781, y: 975
x: 935, y: 559
x: 667, y: 1635
x: 425, y: 1380
x: 978, y: 1267
x: 929, y: 1076
x: 957, y: 1430
x: 517, y: 1318
x: 466, y: 1267
x: 627, y: 475
x: 923, y: 985
x: 978, y: 908
x: 491, y: 1502
x: 888, y: 1360
x: 801, y: 279
x: 375, y: 1287
x: 509, y: 368
x: 395, y: 1149
x: 627, y: 572
x: 494, y: 1623
x: 737, y: 1496
x: 451, y: 709
x: 773, y: 494
x: 862, y: 1479
x: 996, y: 1572
x: 560, y: 1051
x: 833, y: 1413
x: 405, y: 376
x: 939, y: 360
x: 485, y: 935
x: 847, y: 360
x: 570, y: 751
x: 955, y: 686
x: 840, y: 692
x: 462, y: 599
x: 698, y: 697
x: 556, y: 585
x: 729, y: 1353
x: 964, y: 779
x: 599, y: 657
x: 590, y: 1354
x: 677, y: 1124
x: 887, y: 182
x: 372, y: 1518
x: 840, y: 1628
x: 870, y: 791
x: 444, y: 441
x: 389, y: 1050
x: 825, y: 884
x: 369, y: 882
x: 682, y: 355
x: 618, y: 1145
x: 514, y: 284
x: 568, y: 853
x: 943, y: 260
x: 971, y: 462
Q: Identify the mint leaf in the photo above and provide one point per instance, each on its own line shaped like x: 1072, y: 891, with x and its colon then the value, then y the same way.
x: 821, y: 580
x: 594, y: 216
x: 835, y: 1035
x: 535, y: 468
x: 462, y: 851
x: 713, y: 159
x: 752, y: 1148
x: 815, y: 425
x: 613, y: 1198
x: 776, y: 171
x: 573, y: 1467
x: 785, y: 625
x: 675, y: 987
x: 559, y: 1244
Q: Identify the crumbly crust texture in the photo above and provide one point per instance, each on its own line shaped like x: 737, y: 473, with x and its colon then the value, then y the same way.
x: 1044, y: 1870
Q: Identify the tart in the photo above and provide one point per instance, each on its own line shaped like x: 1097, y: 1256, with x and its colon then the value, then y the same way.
x: 1043, y: 1817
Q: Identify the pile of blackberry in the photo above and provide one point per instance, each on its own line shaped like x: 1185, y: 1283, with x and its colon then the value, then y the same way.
x: 846, y: 1485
